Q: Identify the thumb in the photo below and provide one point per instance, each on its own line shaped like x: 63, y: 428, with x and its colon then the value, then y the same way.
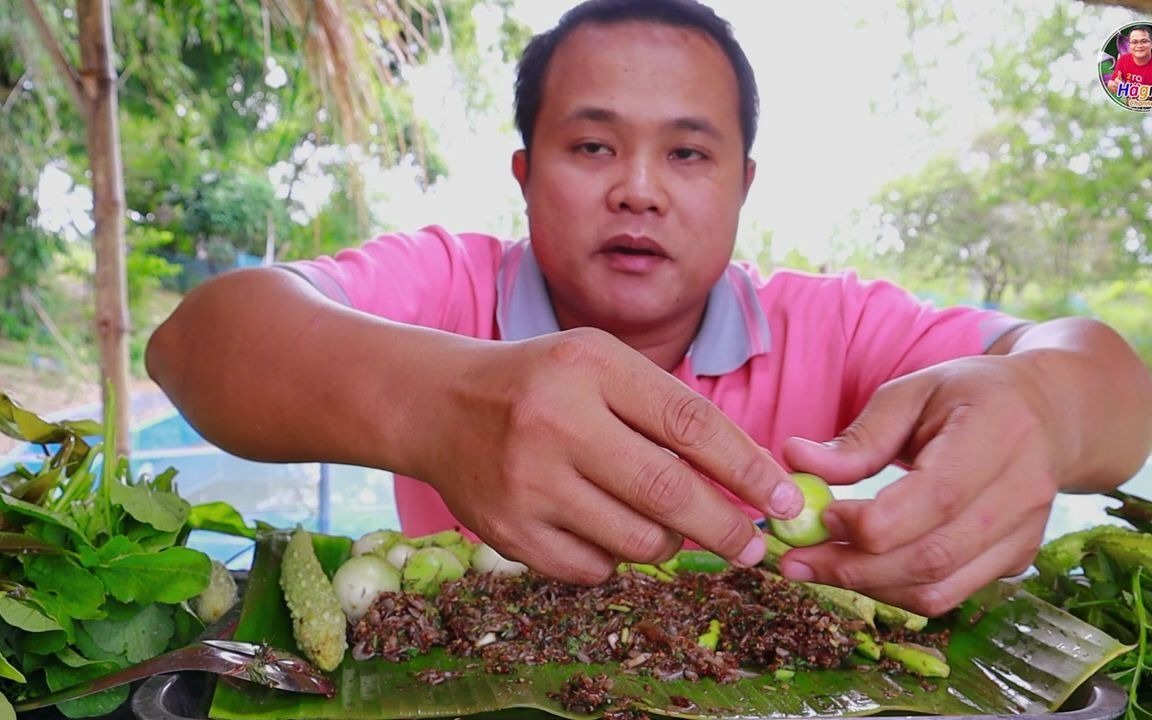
x: 874, y: 439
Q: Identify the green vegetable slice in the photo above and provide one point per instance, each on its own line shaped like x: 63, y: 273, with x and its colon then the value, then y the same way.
x: 1010, y: 653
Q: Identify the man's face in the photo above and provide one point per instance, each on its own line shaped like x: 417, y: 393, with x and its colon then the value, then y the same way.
x: 1139, y: 46
x: 637, y: 175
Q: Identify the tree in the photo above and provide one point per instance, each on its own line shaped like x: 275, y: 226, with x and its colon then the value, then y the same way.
x: 26, y: 250
x: 1054, y: 190
x: 948, y: 225
x: 92, y: 87
x: 196, y: 100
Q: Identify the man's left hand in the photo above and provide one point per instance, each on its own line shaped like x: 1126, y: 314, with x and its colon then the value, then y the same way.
x: 984, y: 450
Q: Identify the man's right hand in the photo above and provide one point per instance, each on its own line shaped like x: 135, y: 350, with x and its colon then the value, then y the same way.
x: 553, y: 450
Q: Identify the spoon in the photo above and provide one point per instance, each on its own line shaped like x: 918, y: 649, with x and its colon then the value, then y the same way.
x: 254, y: 663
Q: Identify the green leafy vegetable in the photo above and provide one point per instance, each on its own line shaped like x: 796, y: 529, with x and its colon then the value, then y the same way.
x: 220, y: 517
x: 93, y: 575
x: 1103, y: 575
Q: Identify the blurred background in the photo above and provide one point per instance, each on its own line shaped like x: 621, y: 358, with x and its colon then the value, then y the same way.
x: 967, y: 150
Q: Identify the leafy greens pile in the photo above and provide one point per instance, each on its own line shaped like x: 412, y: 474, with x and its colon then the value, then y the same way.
x: 1103, y: 575
x: 93, y: 575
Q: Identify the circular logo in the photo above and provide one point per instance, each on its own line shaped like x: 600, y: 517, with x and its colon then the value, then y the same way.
x: 1125, y: 66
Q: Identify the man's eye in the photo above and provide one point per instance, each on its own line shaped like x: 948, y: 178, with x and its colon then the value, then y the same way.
x: 592, y: 148
x: 687, y: 154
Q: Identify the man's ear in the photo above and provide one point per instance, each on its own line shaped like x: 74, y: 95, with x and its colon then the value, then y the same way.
x: 520, y: 170
x: 749, y: 175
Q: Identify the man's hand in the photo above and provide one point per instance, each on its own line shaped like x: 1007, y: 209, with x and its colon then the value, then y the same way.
x: 1114, y: 84
x: 990, y: 440
x: 556, y: 451
x: 984, y: 452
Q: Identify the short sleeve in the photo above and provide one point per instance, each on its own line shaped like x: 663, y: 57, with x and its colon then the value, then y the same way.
x: 431, y: 278
x: 889, y: 332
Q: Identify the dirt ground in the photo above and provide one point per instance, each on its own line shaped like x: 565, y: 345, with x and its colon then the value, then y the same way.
x: 48, y: 391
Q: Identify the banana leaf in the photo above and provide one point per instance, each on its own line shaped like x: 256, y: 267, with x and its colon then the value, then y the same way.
x: 1010, y: 653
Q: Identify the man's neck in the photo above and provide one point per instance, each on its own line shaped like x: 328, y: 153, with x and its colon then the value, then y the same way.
x: 665, y: 345
x: 667, y: 352
x: 1142, y: 64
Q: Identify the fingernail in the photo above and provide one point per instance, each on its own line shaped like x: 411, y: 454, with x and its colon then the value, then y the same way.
x: 797, y: 571
x: 786, y: 500
x: 752, y: 553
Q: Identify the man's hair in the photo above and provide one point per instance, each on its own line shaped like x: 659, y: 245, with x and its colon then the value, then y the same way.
x: 537, y: 57
x: 1143, y: 28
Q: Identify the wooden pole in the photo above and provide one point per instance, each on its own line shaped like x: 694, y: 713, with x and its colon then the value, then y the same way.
x: 98, y: 85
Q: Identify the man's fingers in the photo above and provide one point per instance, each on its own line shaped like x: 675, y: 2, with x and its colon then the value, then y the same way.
x: 563, y: 555
x: 1011, y: 556
x: 596, y: 516
x: 662, y: 409
x: 982, y: 537
x: 665, y: 489
x: 876, y: 437
x: 947, y: 479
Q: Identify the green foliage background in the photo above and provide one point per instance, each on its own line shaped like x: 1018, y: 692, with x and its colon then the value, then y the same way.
x: 1045, y: 212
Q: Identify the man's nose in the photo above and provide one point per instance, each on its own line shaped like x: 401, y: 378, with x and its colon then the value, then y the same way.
x: 638, y: 188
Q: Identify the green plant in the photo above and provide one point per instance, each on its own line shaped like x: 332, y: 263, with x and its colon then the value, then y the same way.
x: 232, y: 212
x: 26, y: 253
x: 146, y: 270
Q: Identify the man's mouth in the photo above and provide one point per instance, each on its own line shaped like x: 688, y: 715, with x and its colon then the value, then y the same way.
x: 634, y: 245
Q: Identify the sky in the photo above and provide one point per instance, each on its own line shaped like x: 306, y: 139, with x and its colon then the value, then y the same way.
x: 834, y: 126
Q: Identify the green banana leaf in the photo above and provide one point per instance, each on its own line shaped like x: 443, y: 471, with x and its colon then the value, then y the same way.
x: 1010, y: 653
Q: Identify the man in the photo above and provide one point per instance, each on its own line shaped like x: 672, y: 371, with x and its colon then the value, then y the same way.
x: 616, y: 385
x: 1134, y: 68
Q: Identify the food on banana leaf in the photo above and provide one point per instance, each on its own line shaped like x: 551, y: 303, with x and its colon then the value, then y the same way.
x: 766, y: 620
x: 807, y: 528
x: 429, y: 568
x: 1009, y: 654
x: 725, y: 626
x: 669, y: 622
x: 359, y: 581
x: 485, y: 559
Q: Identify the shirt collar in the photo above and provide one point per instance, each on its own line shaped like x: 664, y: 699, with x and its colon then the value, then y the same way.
x: 733, y: 331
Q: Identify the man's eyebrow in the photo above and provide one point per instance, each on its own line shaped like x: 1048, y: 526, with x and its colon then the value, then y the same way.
x: 604, y: 115
x: 697, y: 124
x: 592, y: 113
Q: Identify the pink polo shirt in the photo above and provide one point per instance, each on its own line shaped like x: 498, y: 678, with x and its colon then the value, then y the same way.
x: 791, y: 354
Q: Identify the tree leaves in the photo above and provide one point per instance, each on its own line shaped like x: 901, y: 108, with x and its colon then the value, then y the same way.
x: 7, y: 670
x: 1050, y: 194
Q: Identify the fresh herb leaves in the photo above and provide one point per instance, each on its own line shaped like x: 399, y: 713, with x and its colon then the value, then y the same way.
x: 93, y: 575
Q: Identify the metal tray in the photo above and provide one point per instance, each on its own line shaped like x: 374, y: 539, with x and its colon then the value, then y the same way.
x: 187, y: 696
